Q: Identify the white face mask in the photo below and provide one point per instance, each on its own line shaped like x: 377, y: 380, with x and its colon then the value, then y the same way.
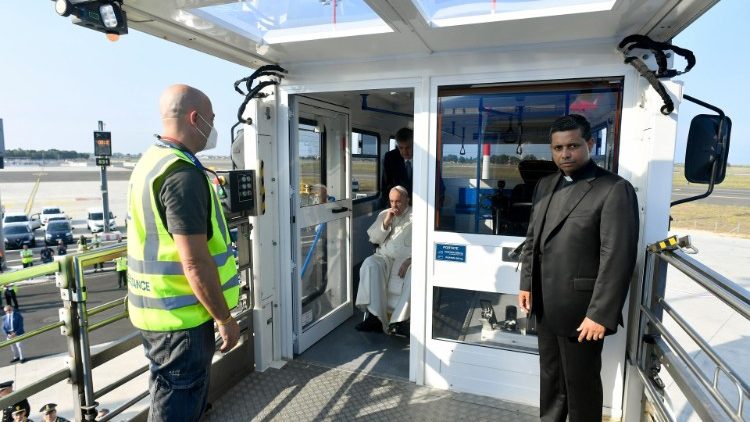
x: 212, y: 137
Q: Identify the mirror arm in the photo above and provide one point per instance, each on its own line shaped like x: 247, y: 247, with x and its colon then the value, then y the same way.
x: 720, y: 148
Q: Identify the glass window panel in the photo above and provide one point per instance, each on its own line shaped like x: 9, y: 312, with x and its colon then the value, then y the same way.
x: 482, y: 318
x: 323, y: 270
x: 462, y: 12
x: 277, y: 21
x: 365, y: 164
x: 493, y: 146
x: 365, y: 143
x: 310, y: 165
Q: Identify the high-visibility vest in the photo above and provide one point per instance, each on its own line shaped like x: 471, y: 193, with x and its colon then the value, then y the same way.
x: 121, y: 263
x: 27, y: 256
x: 159, y: 296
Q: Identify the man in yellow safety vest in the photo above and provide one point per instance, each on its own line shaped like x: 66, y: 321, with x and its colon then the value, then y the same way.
x: 181, y: 271
x: 121, y: 266
x: 27, y: 256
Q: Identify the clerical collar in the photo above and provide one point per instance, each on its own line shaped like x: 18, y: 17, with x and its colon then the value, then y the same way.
x: 587, y: 171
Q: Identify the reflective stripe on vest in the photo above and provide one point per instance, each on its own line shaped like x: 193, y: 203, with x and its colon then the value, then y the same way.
x: 174, y: 302
x: 170, y: 268
x: 160, y: 297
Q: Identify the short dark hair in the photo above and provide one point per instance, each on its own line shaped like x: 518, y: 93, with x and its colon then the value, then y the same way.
x: 572, y: 122
x: 404, y: 135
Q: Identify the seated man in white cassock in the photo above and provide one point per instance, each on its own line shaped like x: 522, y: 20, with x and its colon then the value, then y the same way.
x: 385, y: 277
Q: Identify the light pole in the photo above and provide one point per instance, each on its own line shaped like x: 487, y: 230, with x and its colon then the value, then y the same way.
x: 102, y: 151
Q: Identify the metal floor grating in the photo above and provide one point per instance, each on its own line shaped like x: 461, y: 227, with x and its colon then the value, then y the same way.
x: 302, y: 391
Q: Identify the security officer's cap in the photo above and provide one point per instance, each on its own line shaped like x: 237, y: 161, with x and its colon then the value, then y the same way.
x: 6, y: 384
x: 17, y: 409
x: 47, y: 408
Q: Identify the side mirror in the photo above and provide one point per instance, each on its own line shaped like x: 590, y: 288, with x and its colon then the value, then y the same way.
x: 707, y: 145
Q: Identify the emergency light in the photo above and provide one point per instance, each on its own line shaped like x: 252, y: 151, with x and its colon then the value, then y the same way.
x: 103, y: 16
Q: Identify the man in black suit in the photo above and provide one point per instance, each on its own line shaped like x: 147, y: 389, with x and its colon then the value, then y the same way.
x: 397, y: 165
x: 578, y: 260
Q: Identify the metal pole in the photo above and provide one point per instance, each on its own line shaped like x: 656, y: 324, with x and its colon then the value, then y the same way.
x: 105, y: 193
x: 88, y: 409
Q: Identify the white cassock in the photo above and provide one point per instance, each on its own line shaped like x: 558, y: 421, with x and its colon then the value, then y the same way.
x: 381, y: 291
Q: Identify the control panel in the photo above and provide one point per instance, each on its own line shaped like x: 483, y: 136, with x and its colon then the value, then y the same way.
x: 236, y: 190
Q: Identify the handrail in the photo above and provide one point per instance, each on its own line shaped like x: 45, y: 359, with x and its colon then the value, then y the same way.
x: 107, y: 321
x: 657, y: 343
x: 120, y: 382
x: 116, y: 411
x: 32, y: 333
x: 109, y: 305
x: 35, y: 387
x: 720, y: 363
x: 729, y: 292
x: 75, y: 326
x: 655, y: 397
x: 704, y: 407
x: 29, y: 272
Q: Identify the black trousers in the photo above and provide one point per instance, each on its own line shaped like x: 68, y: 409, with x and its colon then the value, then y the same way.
x: 570, y: 378
x: 122, y: 278
x: 10, y: 296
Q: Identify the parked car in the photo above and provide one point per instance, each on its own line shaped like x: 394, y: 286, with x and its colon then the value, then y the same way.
x: 355, y: 184
x: 18, y: 234
x: 50, y: 212
x: 60, y: 217
x: 95, y: 220
x: 58, y: 230
x: 19, y: 217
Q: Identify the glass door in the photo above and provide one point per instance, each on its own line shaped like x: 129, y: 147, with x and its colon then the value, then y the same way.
x: 322, y: 212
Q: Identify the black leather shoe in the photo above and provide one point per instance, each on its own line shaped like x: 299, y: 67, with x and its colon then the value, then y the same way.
x: 14, y: 360
x: 400, y: 329
x: 372, y: 324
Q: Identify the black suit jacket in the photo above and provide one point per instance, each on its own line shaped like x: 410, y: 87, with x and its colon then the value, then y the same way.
x: 394, y: 174
x: 584, y: 266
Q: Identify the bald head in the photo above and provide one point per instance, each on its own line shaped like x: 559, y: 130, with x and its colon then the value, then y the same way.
x: 185, y: 113
x: 179, y: 100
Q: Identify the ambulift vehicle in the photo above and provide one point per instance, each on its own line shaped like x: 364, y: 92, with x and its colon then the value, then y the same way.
x: 479, y: 82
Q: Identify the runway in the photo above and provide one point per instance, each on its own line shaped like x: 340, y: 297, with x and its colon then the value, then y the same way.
x: 736, y: 197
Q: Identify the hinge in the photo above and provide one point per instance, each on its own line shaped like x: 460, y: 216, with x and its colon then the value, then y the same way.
x: 293, y: 265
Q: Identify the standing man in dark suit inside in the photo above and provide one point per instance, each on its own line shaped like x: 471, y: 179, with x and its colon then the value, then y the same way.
x: 578, y: 260
x: 397, y: 165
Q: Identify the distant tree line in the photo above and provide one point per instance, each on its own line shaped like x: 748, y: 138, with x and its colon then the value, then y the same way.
x: 50, y: 154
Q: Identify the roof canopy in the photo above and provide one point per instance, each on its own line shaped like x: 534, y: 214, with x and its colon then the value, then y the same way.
x: 255, y: 32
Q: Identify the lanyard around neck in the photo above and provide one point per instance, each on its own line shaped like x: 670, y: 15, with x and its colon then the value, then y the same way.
x: 185, y: 151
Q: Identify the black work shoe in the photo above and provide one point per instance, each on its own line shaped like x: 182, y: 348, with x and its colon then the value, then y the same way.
x: 400, y: 329
x: 14, y: 360
x: 371, y: 324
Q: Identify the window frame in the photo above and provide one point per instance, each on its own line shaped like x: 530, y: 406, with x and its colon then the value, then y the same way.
x: 536, y: 87
x: 378, y: 165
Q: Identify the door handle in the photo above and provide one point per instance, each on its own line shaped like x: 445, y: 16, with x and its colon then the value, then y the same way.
x: 339, y: 210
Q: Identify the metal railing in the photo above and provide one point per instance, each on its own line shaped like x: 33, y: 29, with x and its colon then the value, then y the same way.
x: 75, y: 325
x: 657, y: 346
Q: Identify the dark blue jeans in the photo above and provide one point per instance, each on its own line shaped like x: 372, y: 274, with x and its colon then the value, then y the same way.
x: 180, y: 372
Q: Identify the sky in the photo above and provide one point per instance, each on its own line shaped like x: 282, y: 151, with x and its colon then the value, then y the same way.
x: 57, y: 80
